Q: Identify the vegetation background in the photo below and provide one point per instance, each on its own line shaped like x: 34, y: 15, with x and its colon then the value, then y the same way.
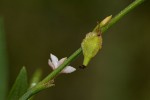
x: 36, y: 28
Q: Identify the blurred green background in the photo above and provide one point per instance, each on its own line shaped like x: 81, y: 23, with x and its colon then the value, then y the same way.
x: 121, y: 71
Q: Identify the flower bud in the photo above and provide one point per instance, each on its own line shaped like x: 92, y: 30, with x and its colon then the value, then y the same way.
x: 105, y: 21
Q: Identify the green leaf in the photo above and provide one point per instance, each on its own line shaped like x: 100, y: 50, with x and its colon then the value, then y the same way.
x: 36, y: 77
x: 20, y: 86
x: 3, y: 63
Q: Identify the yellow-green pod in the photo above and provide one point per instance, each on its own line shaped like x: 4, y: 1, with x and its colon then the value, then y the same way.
x: 93, y: 42
x: 90, y: 46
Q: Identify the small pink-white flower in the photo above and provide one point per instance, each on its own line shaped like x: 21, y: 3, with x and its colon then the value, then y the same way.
x: 55, y: 63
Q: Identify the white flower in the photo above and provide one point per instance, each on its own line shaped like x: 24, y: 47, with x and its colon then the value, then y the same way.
x: 55, y: 63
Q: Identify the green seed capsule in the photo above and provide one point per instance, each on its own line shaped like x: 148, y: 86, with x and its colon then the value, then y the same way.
x: 93, y: 42
x: 90, y: 46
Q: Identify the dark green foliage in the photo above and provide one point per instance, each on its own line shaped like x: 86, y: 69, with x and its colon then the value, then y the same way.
x: 20, y: 86
x: 3, y: 63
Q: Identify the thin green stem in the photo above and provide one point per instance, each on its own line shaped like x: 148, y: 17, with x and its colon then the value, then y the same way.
x: 43, y: 84
x: 120, y: 15
x: 67, y: 62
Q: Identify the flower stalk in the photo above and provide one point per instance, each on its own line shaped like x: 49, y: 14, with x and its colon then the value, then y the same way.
x: 47, y: 80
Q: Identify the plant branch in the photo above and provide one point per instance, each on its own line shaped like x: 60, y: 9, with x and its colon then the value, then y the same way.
x: 41, y: 85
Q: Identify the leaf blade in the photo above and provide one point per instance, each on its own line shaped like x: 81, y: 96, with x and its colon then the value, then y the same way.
x: 20, y: 85
x: 3, y: 62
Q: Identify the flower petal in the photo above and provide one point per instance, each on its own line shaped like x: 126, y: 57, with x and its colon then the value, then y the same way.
x: 69, y: 69
x: 51, y: 64
x: 54, y: 60
x: 61, y: 61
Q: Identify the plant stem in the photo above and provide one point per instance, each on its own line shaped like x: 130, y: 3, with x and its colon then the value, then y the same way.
x: 41, y: 85
x: 120, y: 15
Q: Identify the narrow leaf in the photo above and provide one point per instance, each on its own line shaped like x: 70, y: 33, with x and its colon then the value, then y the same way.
x: 3, y: 63
x: 35, y: 79
x: 20, y: 86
